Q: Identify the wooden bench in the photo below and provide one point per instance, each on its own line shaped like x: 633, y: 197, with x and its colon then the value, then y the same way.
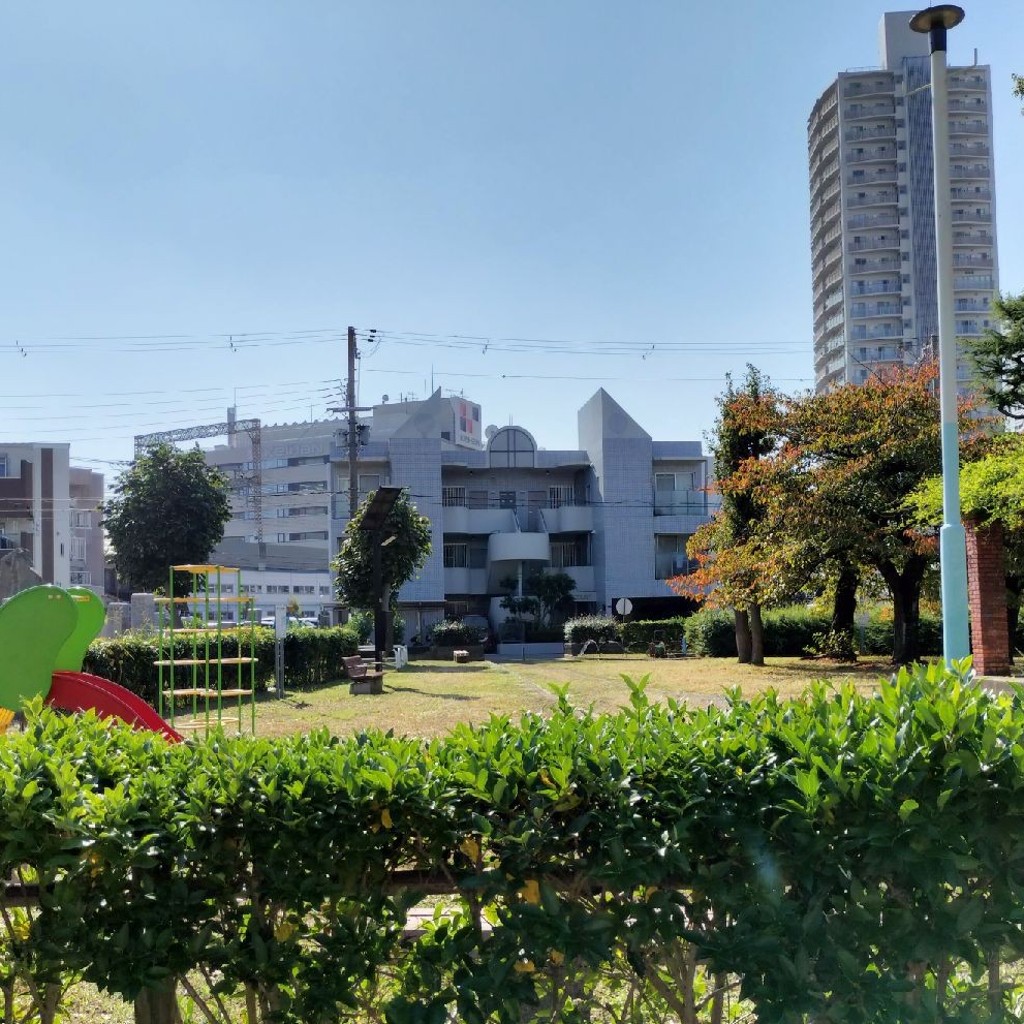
x: 363, y: 677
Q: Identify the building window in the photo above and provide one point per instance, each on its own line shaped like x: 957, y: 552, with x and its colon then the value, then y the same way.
x: 456, y: 555
x: 561, y: 494
x: 81, y: 578
x: 670, y: 555
x: 453, y: 497
x: 512, y: 447
x: 304, y: 589
x: 277, y: 588
x: 80, y: 520
x: 78, y: 549
x: 3, y: 465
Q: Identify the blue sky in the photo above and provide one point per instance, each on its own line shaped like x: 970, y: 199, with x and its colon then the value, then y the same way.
x: 623, y: 184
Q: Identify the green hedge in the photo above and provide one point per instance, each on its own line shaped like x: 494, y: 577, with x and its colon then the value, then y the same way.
x: 643, y: 632
x: 591, y: 627
x: 843, y: 858
x: 791, y: 632
x: 312, y: 657
x: 455, y: 633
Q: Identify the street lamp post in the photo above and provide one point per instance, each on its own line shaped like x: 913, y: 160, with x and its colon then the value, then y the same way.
x: 935, y: 21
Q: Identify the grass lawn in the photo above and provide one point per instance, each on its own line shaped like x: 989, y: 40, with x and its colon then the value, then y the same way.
x: 428, y: 697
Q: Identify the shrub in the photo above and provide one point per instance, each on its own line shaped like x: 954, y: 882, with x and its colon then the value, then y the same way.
x: 849, y: 836
x: 312, y: 657
x: 591, y: 627
x: 710, y: 634
x: 644, y: 632
x: 455, y: 633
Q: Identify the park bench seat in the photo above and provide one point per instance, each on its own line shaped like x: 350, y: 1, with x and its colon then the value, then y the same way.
x: 363, y: 677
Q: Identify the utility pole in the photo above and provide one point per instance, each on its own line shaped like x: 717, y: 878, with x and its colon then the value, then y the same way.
x: 353, y: 438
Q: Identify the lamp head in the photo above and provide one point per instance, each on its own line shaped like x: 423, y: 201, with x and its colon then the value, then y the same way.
x: 941, y: 16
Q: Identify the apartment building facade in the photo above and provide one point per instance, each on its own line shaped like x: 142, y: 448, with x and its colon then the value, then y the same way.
x: 35, y: 506
x: 872, y: 210
x: 86, y: 557
x: 615, y: 513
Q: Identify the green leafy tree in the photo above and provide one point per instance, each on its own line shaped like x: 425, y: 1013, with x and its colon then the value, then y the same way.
x: 400, y: 559
x: 169, y: 508
x: 726, y: 550
x: 554, y: 591
x: 1018, y: 88
x: 836, y: 489
x: 998, y: 357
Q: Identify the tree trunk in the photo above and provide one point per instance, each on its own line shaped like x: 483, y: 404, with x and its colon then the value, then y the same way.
x: 844, y: 604
x: 157, y: 1006
x: 756, y: 635
x: 744, y: 642
x: 905, y: 588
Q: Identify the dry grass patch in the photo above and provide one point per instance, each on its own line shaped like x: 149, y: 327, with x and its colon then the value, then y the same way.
x: 429, y: 697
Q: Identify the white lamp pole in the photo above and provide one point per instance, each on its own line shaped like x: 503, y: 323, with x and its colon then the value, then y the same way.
x: 952, y: 542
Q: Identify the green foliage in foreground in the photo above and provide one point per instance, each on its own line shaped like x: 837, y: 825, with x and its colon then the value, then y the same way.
x: 312, y: 657
x: 839, y: 858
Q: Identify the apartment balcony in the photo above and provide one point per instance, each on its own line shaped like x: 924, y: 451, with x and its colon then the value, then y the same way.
x: 870, y: 244
x: 961, y: 172
x: 568, y: 519
x: 856, y: 134
x: 875, y: 177
x: 680, y: 503
x: 971, y: 216
x: 973, y: 106
x: 875, y: 266
x: 968, y: 128
x: 968, y: 149
x: 968, y: 195
x: 873, y: 220
x: 878, y: 87
x: 856, y: 112
x: 970, y: 306
x: 963, y: 260
x: 870, y: 156
x: 859, y: 288
x: 975, y: 283
x: 465, y: 581
x: 967, y: 84
x: 867, y: 309
x: 972, y: 238
x: 519, y: 547
x: 460, y: 519
x: 874, y: 333
x: 878, y: 199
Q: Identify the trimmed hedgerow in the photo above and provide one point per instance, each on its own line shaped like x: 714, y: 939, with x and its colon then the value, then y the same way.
x: 591, y: 627
x: 843, y: 857
x: 312, y: 657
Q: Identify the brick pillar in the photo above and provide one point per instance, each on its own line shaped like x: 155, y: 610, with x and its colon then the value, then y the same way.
x: 986, y: 585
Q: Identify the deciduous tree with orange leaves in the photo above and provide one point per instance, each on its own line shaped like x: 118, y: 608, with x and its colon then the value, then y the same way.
x: 829, y: 497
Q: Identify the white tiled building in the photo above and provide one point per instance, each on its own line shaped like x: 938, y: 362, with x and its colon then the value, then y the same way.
x: 869, y: 140
x: 35, y: 505
x: 614, y: 514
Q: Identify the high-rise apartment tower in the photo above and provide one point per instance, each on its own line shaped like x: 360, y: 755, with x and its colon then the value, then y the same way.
x: 869, y: 141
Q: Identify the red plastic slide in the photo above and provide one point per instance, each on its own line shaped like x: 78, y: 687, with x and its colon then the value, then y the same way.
x: 80, y: 691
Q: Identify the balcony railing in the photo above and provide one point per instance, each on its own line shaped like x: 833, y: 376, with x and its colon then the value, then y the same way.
x: 975, y: 106
x: 885, y: 287
x: 855, y: 134
x: 863, y: 309
x: 866, y: 334
x: 873, y: 220
x: 960, y: 171
x: 873, y: 266
x: 878, y: 199
x: 856, y: 112
x: 972, y: 261
x: 971, y: 306
x: 968, y: 128
x: 968, y: 83
x: 873, y: 243
x: 968, y: 194
x: 869, y: 155
x: 978, y: 283
x: 968, y: 216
